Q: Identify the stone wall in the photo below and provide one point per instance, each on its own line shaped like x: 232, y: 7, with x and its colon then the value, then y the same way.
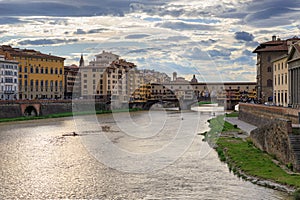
x: 274, y: 134
x: 274, y: 139
x: 10, y: 111
x: 47, y: 108
x: 260, y: 115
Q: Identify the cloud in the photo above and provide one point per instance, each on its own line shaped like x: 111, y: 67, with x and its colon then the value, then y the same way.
x: 46, y: 41
x: 74, y: 8
x: 79, y: 31
x: 217, y: 53
x: 10, y: 20
x: 185, y: 26
x: 196, y: 54
x: 244, y: 36
x: 92, y: 31
x: 136, y: 36
x: 144, y: 51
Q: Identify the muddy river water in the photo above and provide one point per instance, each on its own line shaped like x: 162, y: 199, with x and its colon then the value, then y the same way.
x: 139, y: 156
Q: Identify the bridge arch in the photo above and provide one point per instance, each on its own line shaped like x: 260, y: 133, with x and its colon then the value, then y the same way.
x: 30, y: 109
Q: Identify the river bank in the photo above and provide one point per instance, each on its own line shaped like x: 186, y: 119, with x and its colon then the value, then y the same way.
x: 247, y: 161
x: 66, y: 114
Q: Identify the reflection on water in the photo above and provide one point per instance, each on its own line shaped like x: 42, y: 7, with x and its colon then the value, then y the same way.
x: 37, y: 162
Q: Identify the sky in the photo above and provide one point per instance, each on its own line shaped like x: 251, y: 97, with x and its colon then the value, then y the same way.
x: 212, y: 39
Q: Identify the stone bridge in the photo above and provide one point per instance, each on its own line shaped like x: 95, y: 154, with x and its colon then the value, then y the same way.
x: 183, y: 104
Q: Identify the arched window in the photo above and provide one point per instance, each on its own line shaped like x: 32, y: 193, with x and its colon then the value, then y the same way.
x: 36, y: 70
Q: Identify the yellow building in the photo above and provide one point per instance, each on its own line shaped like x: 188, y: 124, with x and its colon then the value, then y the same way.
x: 41, y: 76
x: 280, y: 81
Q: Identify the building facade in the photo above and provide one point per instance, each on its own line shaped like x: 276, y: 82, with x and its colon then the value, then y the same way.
x: 108, y: 77
x: 9, y: 79
x: 294, y: 75
x: 72, y: 82
x: 266, y: 52
x: 280, y: 81
x: 41, y: 76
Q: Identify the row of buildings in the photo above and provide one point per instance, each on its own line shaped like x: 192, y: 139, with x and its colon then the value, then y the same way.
x: 30, y: 74
x: 278, y: 71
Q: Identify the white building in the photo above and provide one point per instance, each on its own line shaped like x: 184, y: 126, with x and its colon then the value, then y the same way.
x: 9, y: 79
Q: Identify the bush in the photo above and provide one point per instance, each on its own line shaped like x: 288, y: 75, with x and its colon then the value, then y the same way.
x: 297, y: 195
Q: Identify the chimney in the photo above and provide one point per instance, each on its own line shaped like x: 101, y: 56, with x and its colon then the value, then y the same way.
x: 274, y: 38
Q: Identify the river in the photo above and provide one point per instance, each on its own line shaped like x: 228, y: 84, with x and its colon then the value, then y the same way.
x: 141, y: 156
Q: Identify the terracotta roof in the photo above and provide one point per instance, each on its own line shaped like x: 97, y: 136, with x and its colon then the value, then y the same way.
x: 282, y: 47
x: 27, y: 53
x: 72, y: 66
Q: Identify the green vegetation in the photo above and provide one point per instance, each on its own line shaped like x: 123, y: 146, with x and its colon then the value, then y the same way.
x: 205, y: 102
x: 218, y: 124
x: 242, y: 155
x: 66, y: 114
x: 245, y: 156
x: 297, y: 195
x: 232, y: 114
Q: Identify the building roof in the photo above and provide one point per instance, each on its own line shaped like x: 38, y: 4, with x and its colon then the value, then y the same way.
x: 295, y: 48
x: 27, y: 53
x: 272, y: 46
x: 275, y: 45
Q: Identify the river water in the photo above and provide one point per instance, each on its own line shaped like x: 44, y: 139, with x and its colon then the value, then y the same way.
x: 126, y: 162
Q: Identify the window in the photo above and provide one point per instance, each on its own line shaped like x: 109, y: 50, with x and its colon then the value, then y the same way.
x: 269, y: 83
x: 25, y: 69
x: 46, y: 70
x: 278, y: 79
x: 269, y: 58
x: 269, y: 69
x: 56, y: 71
x: 31, y: 69
x: 51, y: 71
x: 36, y: 70
x: 20, y: 69
x: 286, y: 82
x: 275, y: 80
x: 42, y: 70
x: 282, y: 79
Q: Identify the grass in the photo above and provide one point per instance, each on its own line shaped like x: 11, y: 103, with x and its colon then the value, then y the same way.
x: 205, y: 102
x: 232, y: 114
x: 66, y: 114
x: 218, y: 124
x: 243, y: 155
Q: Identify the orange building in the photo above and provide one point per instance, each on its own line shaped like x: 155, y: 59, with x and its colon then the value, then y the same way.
x: 41, y: 76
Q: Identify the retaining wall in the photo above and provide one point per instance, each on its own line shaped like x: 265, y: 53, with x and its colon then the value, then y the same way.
x: 275, y: 134
x: 260, y: 115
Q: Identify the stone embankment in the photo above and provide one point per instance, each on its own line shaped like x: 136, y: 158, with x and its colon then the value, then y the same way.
x: 275, y: 133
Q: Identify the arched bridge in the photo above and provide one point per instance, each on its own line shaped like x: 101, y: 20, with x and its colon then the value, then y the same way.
x: 30, y: 109
x: 183, y: 104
